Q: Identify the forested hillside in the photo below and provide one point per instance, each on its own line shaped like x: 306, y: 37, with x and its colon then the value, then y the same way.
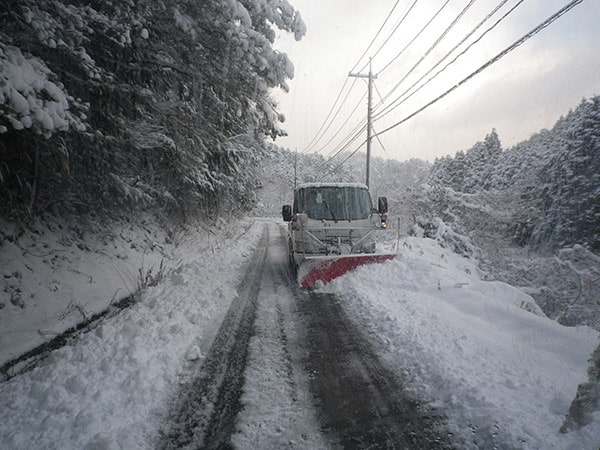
x: 530, y: 214
x: 110, y: 106
x: 553, y: 180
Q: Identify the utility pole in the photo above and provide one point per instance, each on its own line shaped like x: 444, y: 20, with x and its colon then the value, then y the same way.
x: 371, y: 77
x: 295, y: 168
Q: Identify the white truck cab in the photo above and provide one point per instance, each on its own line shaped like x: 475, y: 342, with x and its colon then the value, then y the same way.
x: 332, y: 219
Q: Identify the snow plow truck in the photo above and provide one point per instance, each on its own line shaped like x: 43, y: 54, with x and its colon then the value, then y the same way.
x: 331, y: 230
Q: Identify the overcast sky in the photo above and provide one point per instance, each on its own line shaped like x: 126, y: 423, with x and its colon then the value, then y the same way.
x: 526, y: 91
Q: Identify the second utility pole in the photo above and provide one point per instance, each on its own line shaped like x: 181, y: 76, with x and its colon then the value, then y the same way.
x: 371, y: 77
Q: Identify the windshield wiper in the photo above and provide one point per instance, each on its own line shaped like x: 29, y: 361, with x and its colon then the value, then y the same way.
x: 329, y: 209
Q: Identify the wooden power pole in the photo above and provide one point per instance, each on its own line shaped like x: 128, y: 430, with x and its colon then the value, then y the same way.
x: 371, y: 77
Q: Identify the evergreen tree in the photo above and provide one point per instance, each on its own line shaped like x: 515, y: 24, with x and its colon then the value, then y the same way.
x: 137, y: 103
x: 572, y: 189
x: 471, y: 171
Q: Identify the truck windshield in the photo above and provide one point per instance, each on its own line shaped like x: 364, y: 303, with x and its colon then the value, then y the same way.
x: 333, y: 202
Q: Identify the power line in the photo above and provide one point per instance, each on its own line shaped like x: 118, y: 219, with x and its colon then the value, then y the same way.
x: 344, y: 123
x: 350, y: 139
x: 495, y: 59
x: 430, y: 49
x: 355, y: 136
x: 368, y: 141
x: 328, y: 161
x: 349, y: 156
x: 376, y: 135
x: 370, y: 76
x: 377, y: 35
x: 380, y: 143
x: 324, y: 128
x: 410, y: 8
x: 401, y: 98
x: 318, y: 136
x: 378, y: 93
x: 415, y: 36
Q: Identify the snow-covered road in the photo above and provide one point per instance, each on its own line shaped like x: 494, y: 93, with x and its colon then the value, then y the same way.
x: 249, y: 389
x: 478, y: 353
x: 361, y: 402
x: 303, y: 351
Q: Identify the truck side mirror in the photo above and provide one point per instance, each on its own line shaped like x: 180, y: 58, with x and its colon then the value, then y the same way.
x: 286, y: 213
x: 382, y: 205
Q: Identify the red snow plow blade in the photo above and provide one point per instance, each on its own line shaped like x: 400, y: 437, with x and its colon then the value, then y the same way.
x: 326, y: 268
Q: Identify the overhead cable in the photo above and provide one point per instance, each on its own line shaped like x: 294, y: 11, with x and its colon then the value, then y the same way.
x: 377, y: 35
x: 352, y: 136
x: 348, y: 157
x: 431, y: 48
x: 327, y: 122
x: 415, y: 36
x: 357, y: 132
x: 495, y: 59
x: 401, y: 98
x: 355, y: 136
x: 343, y: 124
x: 400, y: 22
x: 317, y: 137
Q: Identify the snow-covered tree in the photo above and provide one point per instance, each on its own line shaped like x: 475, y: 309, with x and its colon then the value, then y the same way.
x: 532, y: 211
x: 137, y: 103
x: 572, y: 182
x: 471, y: 171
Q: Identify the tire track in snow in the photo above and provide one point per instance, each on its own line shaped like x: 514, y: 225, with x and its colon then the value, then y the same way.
x: 359, y: 402
x: 362, y: 404
x: 277, y: 409
x: 205, y: 412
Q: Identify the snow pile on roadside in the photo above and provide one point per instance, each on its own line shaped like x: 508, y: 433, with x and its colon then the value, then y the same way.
x: 482, y: 352
x: 57, y: 276
x: 111, y: 388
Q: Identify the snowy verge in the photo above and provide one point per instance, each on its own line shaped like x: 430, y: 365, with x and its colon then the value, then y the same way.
x: 112, y: 387
x: 481, y: 352
x: 55, y: 276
